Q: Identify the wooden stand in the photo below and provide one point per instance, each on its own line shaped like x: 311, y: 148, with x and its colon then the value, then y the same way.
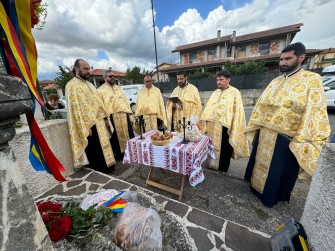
x: 165, y: 187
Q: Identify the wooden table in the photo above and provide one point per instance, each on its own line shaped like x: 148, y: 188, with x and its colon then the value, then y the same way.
x: 180, y: 159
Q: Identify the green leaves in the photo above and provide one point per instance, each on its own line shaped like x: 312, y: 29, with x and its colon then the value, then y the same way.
x: 86, y: 223
x: 198, y: 74
x: 135, y: 76
x: 247, y: 67
x: 63, y: 76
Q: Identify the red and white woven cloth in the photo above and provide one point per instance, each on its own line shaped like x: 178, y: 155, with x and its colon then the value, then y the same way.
x: 176, y: 157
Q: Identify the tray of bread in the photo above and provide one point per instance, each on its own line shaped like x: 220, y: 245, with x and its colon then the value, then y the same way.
x: 158, y: 139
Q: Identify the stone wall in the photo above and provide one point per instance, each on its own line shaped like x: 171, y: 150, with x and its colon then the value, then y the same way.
x: 21, y: 226
x: 56, y: 133
x: 318, y: 217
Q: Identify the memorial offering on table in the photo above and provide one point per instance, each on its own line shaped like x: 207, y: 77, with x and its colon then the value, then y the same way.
x: 161, y: 139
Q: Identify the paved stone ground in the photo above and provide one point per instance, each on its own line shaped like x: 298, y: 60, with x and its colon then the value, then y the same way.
x: 226, y: 195
x: 184, y: 227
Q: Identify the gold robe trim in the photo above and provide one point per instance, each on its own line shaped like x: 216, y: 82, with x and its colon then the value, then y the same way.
x: 150, y: 102
x: 265, y: 149
x: 121, y: 128
x: 225, y: 108
x: 295, y: 106
x: 214, y: 131
x: 117, y: 105
x: 106, y: 147
x: 85, y: 110
x: 191, y: 104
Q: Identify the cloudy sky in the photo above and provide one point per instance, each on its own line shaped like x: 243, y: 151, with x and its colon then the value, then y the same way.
x: 119, y: 34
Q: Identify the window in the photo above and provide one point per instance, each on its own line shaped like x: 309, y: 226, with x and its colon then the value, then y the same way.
x: 193, y: 57
x: 241, y: 51
x: 264, y: 48
x: 211, y: 54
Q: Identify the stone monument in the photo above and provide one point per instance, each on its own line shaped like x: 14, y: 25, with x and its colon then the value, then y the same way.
x: 21, y: 226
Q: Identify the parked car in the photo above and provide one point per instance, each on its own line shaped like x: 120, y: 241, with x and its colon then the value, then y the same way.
x: 131, y: 92
x: 329, y: 88
x: 62, y: 100
x: 327, y: 79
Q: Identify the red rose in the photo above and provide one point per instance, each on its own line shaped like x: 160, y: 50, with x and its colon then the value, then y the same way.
x: 60, y: 228
x: 54, y: 234
x: 48, y: 206
x: 46, y: 218
x: 67, y: 224
x: 37, y: 1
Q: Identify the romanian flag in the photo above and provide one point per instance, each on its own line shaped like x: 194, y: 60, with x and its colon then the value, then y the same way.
x: 20, y: 58
x: 116, y: 203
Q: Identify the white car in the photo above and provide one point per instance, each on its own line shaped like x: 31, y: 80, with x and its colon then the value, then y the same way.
x: 62, y: 100
x: 329, y: 88
x: 131, y: 92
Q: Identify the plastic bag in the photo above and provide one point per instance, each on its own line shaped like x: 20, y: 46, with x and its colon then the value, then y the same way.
x: 130, y: 196
x: 98, y: 198
x: 138, y: 228
x: 193, y: 135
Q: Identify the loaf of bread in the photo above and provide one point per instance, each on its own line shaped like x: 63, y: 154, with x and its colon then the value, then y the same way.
x: 138, y: 229
x: 165, y: 136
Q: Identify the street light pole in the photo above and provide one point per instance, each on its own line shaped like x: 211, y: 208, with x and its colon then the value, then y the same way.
x: 153, y: 26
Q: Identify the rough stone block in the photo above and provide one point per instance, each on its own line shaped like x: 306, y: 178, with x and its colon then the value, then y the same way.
x: 318, y: 218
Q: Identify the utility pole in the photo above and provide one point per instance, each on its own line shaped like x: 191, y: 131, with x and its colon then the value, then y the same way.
x: 153, y: 26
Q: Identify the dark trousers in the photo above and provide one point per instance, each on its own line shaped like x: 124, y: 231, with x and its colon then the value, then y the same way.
x: 226, y: 151
x: 115, y: 140
x: 94, y: 153
x: 283, y: 172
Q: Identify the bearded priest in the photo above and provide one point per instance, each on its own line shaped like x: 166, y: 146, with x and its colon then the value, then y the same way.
x: 88, y: 122
x: 118, y: 108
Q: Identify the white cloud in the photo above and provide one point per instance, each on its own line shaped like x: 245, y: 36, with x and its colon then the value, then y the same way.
x: 123, y: 30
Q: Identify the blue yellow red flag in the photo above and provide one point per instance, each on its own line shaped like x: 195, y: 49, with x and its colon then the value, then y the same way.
x: 20, y: 56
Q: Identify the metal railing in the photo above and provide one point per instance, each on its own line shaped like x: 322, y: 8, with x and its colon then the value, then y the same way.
x: 250, y: 81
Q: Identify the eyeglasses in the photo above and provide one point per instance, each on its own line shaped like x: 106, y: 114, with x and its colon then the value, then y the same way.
x: 148, y: 81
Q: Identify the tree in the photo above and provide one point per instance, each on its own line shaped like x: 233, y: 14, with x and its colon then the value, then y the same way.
x: 198, y: 74
x: 135, y: 76
x: 63, y: 76
x: 248, y: 67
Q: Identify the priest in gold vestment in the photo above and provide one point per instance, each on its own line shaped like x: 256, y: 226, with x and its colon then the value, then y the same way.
x: 150, y: 106
x: 88, y: 122
x: 117, y: 106
x: 289, y: 126
x: 223, y: 120
x: 189, y: 104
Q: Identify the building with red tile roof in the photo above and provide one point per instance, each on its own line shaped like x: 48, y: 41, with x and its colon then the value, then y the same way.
x: 210, y: 55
